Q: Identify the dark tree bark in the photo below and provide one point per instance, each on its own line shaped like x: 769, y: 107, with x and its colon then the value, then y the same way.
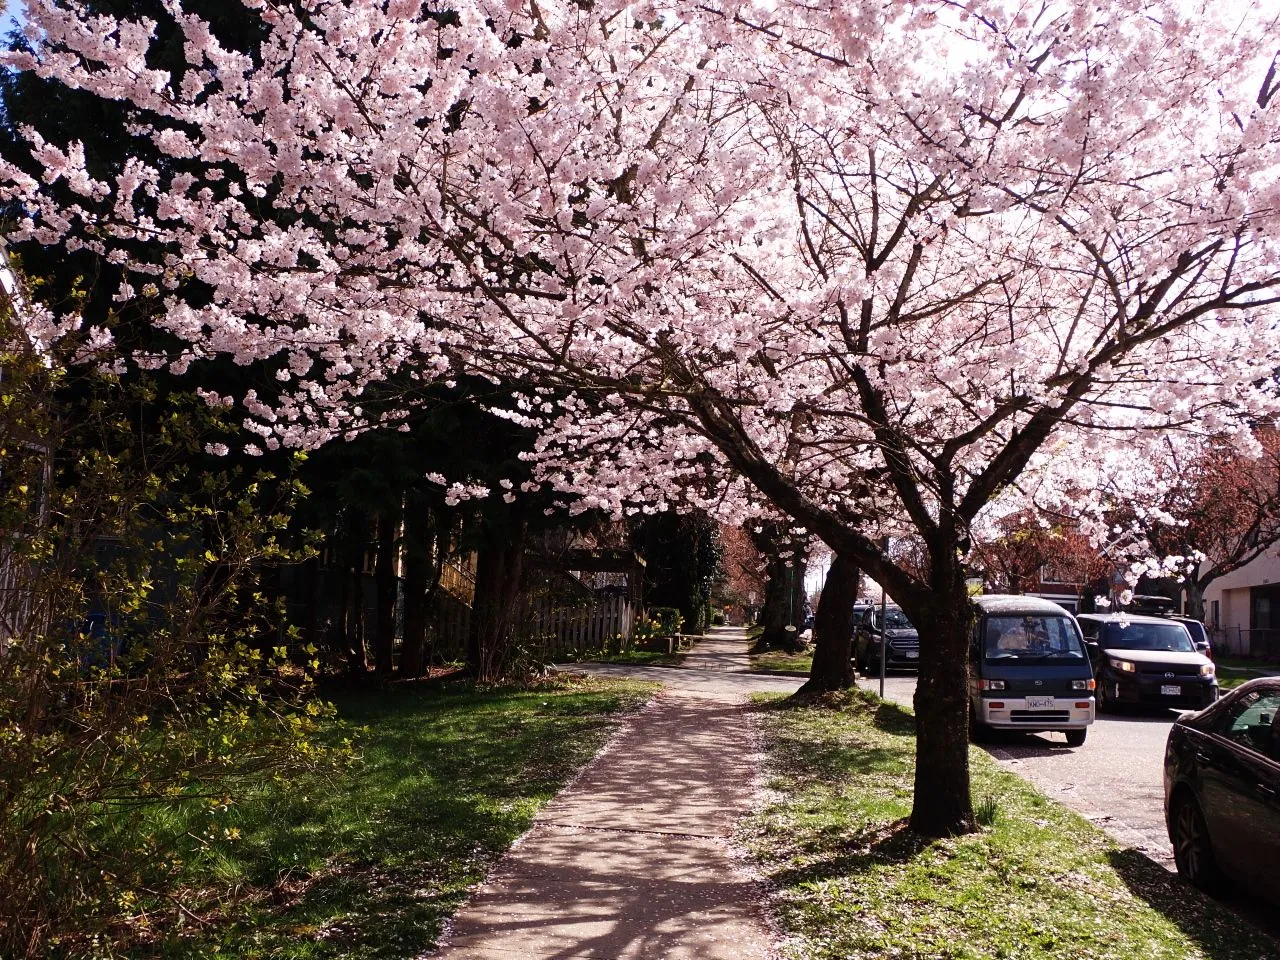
x: 352, y: 632
x: 783, y: 606
x: 421, y: 577
x: 832, y: 668
x: 942, y: 805
x: 499, y: 566
x: 385, y: 583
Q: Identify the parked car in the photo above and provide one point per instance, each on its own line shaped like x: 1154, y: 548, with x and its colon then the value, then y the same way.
x: 1222, y: 790
x: 1199, y: 633
x: 1147, y: 660
x: 1029, y: 669
x: 1162, y: 607
x: 868, y: 638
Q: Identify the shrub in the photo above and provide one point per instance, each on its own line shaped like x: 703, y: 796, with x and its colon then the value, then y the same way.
x: 660, y: 622
x: 717, y: 619
x: 145, y: 682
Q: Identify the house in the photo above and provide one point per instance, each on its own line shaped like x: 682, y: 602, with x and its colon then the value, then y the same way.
x: 1242, y: 608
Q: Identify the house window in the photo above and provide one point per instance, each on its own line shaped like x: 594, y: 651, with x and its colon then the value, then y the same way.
x: 1057, y: 573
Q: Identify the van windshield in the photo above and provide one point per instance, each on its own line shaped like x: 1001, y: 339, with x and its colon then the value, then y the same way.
x: 1147, y: 636
x: 1032, y: 638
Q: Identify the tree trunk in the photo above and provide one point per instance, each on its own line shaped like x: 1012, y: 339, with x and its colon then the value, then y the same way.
x: 385, y: 583
x: 498, y: 569
x: 783, y: 606
x: 353, y: 619
x: 832, y: 668
x: 1195, y: 598
x: 942, y: 805
x: 421, y: 575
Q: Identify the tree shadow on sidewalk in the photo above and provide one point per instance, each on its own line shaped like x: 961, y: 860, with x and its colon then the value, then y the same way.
x: 1189, y: 909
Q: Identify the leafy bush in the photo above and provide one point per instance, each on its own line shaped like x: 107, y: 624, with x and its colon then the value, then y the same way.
x: 717, y: 619
x: 660, y: 622
x: 145, y: 680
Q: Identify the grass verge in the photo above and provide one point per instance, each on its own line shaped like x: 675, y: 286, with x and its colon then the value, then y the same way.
x: 640, y: 658
x: 1233, y: 671
x: 781, y: 661
x: 370, y: 862
x: 1038, y: 882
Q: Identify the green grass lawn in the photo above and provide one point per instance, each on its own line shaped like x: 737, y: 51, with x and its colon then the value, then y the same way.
x: 641, y: 658
x: 1037, y: 882
x: 1239, y: 669
x: 368, y: 863
x: 780, y: 661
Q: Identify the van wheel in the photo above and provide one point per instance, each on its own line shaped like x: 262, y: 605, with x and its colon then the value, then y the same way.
x: 979, y: 732
x: 1075, y: 738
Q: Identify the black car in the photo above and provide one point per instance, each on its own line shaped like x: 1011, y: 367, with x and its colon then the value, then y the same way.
x: 1147, y: 660
x: 1222, y: 790
x: 904, y: 641
x: 1199, y: 633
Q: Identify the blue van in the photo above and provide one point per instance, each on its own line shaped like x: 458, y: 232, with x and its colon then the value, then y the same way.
x: 1029, y: 670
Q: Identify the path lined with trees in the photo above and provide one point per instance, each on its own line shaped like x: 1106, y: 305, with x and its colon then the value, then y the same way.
x: 633, y: 860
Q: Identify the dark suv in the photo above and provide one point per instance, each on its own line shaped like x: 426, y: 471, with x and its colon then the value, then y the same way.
x: 1148, y: 660
x: 868, y: 638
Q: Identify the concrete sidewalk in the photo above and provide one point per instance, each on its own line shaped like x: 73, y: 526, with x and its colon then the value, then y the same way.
x: 633, y: 860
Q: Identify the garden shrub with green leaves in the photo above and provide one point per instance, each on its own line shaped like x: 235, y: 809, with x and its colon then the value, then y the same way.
x: 659, y: 622
x: 145, y: 679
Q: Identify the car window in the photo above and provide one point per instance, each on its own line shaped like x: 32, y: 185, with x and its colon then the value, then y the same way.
x: 1250, y: 721
x: 1196, y: 629
x: 1090, y: 629
x: 1132, y: 635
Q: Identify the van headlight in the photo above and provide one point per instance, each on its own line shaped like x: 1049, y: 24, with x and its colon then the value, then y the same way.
x: 1207, y: 670
x: 1125, y: 666
x: 1083, y: 684
x: 993, y: 684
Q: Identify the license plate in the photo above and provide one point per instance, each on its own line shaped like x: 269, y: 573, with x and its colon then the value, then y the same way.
x: 912, y: 654
x: 1039, y: 703
x: 1171, y: 690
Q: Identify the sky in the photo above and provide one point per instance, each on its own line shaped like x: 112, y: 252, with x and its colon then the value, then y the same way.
x: 12, y: 16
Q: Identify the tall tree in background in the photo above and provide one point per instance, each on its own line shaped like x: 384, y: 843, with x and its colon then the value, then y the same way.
x: 832, y: 629
x: 743, y: 565
x: 782, y: 606
x: 1215, y: 511
x: 682, y: 555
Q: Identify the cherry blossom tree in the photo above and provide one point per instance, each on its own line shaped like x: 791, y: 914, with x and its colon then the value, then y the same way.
x: 880, y: 266
x: 1215, y: 510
